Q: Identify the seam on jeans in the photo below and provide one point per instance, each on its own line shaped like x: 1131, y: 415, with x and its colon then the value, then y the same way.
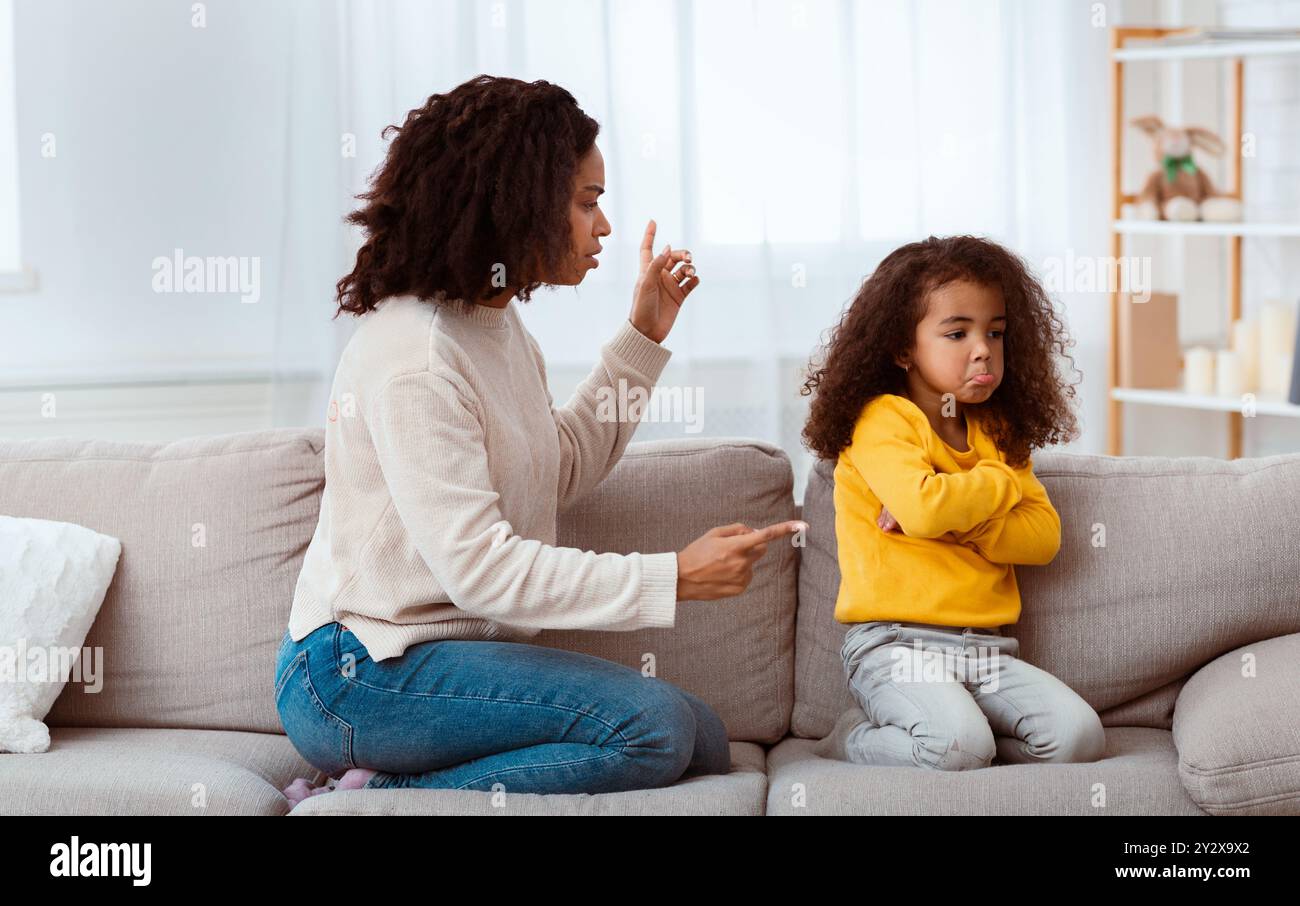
x: 556, y: 764
x: 288, y: 670
x: 337, y: 654
x: 911, y: 701
x: 490, y: 699
x: 485, y: 698
x: 482, y: 698
x: 857, y: 648
x: 1019, y: 710
x: 345, y: 748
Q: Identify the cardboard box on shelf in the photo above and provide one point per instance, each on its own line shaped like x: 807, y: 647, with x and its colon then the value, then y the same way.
x: 1149, y: 354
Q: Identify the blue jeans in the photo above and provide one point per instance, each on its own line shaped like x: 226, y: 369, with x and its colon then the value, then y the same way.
x: 953, y: 698
x: 468, y: 715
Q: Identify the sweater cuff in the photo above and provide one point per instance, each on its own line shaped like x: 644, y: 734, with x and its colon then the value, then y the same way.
x: 644, y: 355
x: 658, y: 590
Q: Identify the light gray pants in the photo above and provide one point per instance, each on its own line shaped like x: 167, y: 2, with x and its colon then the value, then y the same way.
x: 953, y: 698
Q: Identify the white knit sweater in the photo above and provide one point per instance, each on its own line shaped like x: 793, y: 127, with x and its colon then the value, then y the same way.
x: 446, y: 463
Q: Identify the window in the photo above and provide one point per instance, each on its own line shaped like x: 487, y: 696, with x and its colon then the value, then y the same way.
x: 11, y: 268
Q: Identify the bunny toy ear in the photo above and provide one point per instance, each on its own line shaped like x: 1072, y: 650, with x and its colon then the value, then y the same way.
x: 1149, y: 124
x: 1205, y: 139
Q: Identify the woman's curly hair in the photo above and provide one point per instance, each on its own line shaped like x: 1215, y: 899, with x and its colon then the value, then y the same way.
x: 477, y: 184
x: 1029, y: 409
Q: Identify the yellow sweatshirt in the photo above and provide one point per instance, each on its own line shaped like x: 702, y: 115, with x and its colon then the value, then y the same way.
x: 965, y: 519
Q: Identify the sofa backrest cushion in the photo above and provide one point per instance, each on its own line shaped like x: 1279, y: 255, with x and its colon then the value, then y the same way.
x: 1165, y: 563
x: 213, y: 531
x: 737, y: 654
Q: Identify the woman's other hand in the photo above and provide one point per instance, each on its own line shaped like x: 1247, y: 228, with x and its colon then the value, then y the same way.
x: 664, y: 282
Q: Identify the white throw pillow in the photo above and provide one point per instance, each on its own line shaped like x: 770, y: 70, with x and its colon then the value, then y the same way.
x: 53, y: 578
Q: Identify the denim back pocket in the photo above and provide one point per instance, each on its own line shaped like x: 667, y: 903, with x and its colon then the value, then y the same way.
x: 322, y: 737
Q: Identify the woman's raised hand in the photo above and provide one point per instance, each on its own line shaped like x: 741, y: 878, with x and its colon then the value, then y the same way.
x: 664, y: 282
x: 720, y: 563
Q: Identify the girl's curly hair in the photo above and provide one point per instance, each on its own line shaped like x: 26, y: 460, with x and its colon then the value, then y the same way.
x: 1029, y: 409
x: 476, y: 181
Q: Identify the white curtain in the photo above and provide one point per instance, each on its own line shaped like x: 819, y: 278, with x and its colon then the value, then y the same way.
x: 789, y: 145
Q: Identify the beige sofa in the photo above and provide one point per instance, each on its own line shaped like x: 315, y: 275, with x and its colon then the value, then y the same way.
x: 1173, y: 607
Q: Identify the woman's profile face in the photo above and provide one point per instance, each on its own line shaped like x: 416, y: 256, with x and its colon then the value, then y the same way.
x: 587, y: 223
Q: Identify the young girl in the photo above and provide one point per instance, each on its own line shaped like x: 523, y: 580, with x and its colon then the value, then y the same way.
x: 938, y: 382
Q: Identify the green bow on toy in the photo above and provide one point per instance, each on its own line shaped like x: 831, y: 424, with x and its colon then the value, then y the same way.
x: 1174, y: 164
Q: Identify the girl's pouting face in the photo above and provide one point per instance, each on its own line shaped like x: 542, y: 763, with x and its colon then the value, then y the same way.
x: 958, y: 344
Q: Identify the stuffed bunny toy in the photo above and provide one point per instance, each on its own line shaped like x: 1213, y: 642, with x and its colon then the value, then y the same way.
x: 1180, y: 190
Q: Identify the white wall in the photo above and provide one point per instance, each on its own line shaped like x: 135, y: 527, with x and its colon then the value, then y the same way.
x: 135, y: 120
x: 171, y: 136
x: 140, y: 132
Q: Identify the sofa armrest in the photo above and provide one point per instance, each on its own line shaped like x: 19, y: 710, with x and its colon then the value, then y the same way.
x: 1237, y: 729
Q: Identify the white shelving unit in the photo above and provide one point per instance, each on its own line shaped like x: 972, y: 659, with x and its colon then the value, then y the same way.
x: 1236, y: 52
x: 1196, y: 228
x: 1264, y: 405
x: 1210, y: 50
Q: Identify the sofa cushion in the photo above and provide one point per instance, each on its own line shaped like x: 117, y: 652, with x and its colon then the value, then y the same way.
x: 214, y: 529
x: 213, y: 532
x: 1237, y: 728
x: 53, y: 578
x: 1137, y: 775
x: 737, y: 653
x: 742, y: 792
x: 117, y: 771
x: 1164, y: 564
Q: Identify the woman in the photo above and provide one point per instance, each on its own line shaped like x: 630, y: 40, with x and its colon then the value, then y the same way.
x: 406, y: 662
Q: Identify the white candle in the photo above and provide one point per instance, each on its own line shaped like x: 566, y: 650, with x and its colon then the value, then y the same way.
x: 1276, y: 330
x: 1245, y: 343
x: 1275, y: 374
x: 1198, y: 370
x: 1227, y: 373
